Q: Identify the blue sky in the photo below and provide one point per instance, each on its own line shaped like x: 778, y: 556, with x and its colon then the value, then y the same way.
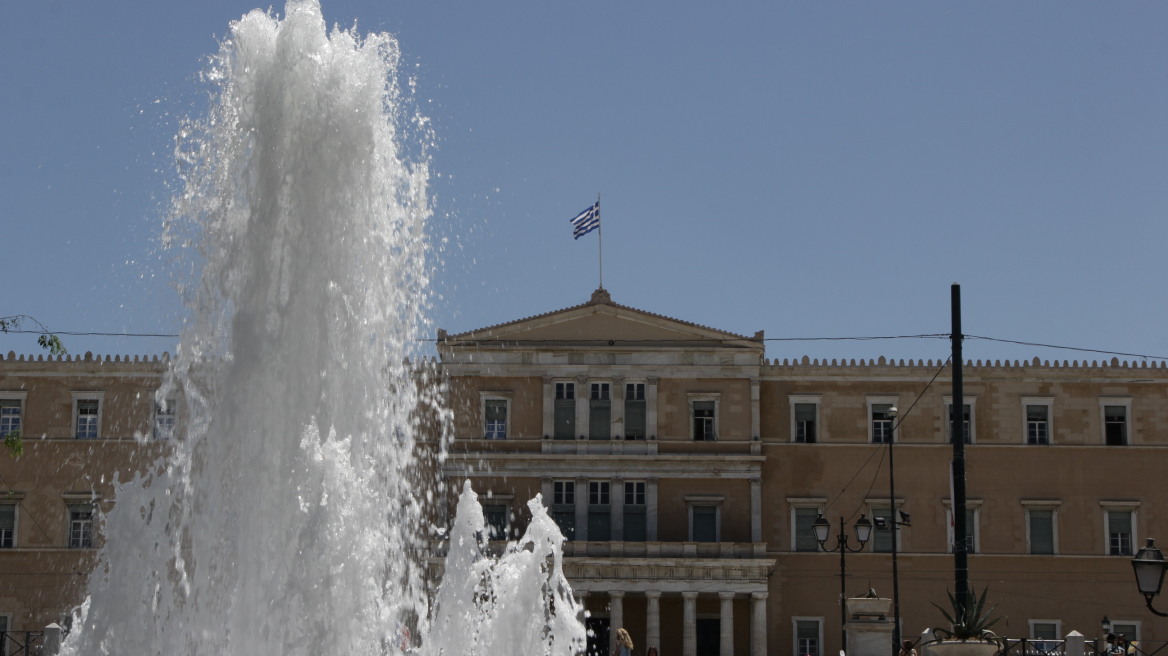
x: 811, y: 169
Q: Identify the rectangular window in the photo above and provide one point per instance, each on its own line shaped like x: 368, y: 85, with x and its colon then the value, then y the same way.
x: 88, y: 413
x: 703, y: 420
x: 1038, y: 424
x: 634, y: 511
x: 7, y: 525
x: 1044, y: 630
x: 704, y: 523
x: 164, y: 419
x: 1129, y: 630
x: 599, y: 511
x: 806, y: 415
x: 565, y: 411
x: 10, y: 416
x: 966, y: 422
x: 564, y: 507
x: 807, y: 637
x: 495, y: 419
x: 496, y: 516
x: 599, y: 412
x: 804, y: 529
x: 970, y: 530
x: 1040, y: 524
x: 81, y: 526
x: 1115, y: 425
x: 1119, y: 532
x: 635, y: 411
x: 881, y: 422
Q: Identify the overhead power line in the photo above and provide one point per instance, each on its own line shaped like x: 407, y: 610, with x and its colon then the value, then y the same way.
x: 861, y: 338
x: 1067, y: 348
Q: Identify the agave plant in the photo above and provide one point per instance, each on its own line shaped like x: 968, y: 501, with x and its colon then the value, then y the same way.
x: 970, y: 622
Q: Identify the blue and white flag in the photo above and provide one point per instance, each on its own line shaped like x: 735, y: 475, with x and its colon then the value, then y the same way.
x: 586, y: 221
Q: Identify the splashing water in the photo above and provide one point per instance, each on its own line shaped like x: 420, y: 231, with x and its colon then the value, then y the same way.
x: 288, y: 519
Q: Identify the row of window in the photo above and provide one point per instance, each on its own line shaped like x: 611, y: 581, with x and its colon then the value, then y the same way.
x: 1119, y: 520
x: 564, y: 419
x: 79, y: 528
x: 87, y: 415
x: 1041, y: 529
x: 1036, y: 412
x: 1041, y: 523
x: 1036, y: 429
x: 704, y: 514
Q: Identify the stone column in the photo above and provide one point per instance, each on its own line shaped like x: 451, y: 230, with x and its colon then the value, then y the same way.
x: 582, y: 509
x: 755, y: 415
x: 547, y: 490
x: 651, y: 510
x: 581, y: 597
x: 616, y: 615
x: 758, y: 624
x: 726, y: 624
x: 756, y: 510
x: 583, y: 393
x: 651, y: 408
x: 689, y: 629
x: 549, y: 406
x: 653, y: 620
x: 616, y: 505
x: 617, y: 415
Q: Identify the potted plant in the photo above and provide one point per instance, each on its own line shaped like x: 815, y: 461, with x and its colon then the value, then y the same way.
x: 968, y: 633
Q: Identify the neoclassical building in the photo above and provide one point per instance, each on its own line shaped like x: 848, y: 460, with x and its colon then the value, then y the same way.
x: 686, y: 469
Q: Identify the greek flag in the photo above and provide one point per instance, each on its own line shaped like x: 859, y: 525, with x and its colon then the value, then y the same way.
x: 586, y: 221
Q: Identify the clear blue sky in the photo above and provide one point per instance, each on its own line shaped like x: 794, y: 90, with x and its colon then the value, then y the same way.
x: 811, y: 169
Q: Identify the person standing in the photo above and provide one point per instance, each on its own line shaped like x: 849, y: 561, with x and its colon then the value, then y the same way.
x: 624, y: 643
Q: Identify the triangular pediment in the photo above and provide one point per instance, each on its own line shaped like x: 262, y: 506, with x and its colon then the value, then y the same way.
x: 600, y: 322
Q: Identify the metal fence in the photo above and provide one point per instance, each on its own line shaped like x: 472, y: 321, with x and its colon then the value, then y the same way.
x: 1097, y: 647
x: 21, y: 643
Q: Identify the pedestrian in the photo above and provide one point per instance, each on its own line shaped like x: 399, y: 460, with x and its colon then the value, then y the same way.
x: 624, y: 643
x: 1113, y: 648
x: 906, y: 649
x: 651, y: 652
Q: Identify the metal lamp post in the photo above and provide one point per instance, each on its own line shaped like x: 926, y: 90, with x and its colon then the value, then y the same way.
x: 863, y: 533
x: 1149, y: 566
x: 893, y: 414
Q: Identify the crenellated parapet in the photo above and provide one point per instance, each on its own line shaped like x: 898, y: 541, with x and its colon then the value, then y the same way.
x: 87, y: 357
x: 802, y: 364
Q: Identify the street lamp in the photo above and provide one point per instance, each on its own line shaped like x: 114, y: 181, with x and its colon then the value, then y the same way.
x: 1105, y: 625
x: 863, y: 532
x: 1149, y: 566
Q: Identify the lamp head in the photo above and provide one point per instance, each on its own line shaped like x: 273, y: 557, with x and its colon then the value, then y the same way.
x: 1149, y: 566
x: 863, y: 530
x: 821, y: 528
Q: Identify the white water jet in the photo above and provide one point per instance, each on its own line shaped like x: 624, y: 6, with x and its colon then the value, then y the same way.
x: 289, y: 518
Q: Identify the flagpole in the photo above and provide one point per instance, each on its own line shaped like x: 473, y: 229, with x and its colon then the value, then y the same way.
x: 600, y: 243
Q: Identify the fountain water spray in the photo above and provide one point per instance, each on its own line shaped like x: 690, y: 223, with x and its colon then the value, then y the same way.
x: 288, y: 518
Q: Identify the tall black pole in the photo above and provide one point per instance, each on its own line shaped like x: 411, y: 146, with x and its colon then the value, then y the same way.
x: 957, y: 435
x: 894, y: 521
x: 842, y: 539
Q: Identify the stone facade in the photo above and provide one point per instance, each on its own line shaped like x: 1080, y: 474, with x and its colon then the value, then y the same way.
x: 54, y: 492
x: 686, y: 468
